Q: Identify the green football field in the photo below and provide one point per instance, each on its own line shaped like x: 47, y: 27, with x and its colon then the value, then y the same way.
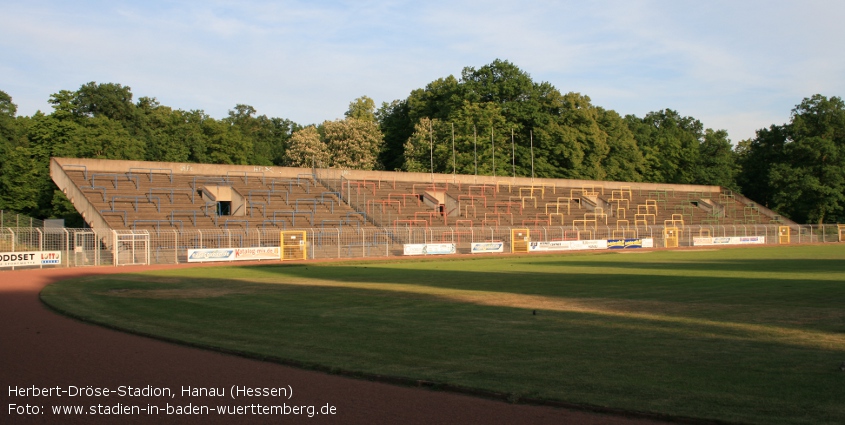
x: 750, y: 335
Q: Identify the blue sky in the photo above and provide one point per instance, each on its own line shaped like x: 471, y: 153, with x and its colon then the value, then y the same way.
x: 734, y: 65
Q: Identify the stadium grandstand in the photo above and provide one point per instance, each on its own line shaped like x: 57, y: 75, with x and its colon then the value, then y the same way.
x: 135, y: 195
x: 171, y: 207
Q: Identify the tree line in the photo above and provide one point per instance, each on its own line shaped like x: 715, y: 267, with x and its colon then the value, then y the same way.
x: 491, y: 120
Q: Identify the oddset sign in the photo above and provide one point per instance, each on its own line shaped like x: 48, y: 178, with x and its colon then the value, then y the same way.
x: 30, y: 258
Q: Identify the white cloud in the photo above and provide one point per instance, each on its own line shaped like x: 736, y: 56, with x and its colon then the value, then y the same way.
x: 731, y: 65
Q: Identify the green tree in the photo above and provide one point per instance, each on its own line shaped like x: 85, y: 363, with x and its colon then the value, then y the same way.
x: 65, y: 133
x: 20, y: 178
x: 108, y: 100
x: 429, y: 146
x: 189, y: 129
x: 244, y: 121
x: 479, y: 128
x: 809, y: 186
x: 242, y: 115
x: 579, y: 122
x: 268, y: 136
x: 717, y: 160
x: 670, y: 145
x: 26, y: 173
x: 160, y: 126
x: 271, y: 139
x: 755, y: 158
x: 9, y: 132
x: 395, y: 124
x: 499, y: 101
x: 362, y: 108
x: 7, y: 107
x: 20, y: 171
x: 437, y: 100
x: 101, y: 137
x: 226, y: 145
x: 63, y: 108
x: 624, y: 161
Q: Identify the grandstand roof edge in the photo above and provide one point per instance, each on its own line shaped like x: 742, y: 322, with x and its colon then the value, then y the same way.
x: 517, y: 181
x: 121, y: 166
x: 178, y: 168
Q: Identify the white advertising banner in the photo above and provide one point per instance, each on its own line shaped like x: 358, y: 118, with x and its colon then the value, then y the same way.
x: 544, y: 246
x: 734, y: 240
x: 30, y: 258
x: 234, y: 254
x: 482, y: 247
x: 429, y: 248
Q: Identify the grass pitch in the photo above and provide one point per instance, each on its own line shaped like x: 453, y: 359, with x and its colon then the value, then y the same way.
x: 750, y: 335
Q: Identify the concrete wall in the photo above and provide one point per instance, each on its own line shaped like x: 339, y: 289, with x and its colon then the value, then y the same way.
x: 177, y: 168
x: 89, y: 213
x: 389, y: 176
x: 117, y: 166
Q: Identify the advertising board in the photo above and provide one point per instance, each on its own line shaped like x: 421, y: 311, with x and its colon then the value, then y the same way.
x: 484, y: 247
x: 545, y: 246
x: 30, y: 258
x: 630, y: 243
x: 429, y: 249
x: 733, y: 240
x: 234, y: 254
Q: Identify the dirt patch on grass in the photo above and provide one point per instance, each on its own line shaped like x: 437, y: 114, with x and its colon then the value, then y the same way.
x: 149, y: 279
x: 182, y: 293
x: 211, y: 289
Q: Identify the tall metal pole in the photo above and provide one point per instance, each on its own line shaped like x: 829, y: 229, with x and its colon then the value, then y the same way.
x: 454, y: 161
x: 475, y: 149
x: 532, y: 155
x: 493, y: 146
x: 431, y: 148
x: 513, y: 155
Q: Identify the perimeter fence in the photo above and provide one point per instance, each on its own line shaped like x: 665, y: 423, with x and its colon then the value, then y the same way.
x: 88, y: 247
x: 13, y: 219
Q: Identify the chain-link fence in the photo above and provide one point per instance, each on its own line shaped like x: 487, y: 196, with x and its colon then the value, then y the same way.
x: 12, y: 219
x: 88, y: 247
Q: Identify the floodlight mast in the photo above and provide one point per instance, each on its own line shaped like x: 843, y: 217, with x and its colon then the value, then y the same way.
x: 475, y: 151
x: 454, y: 161
x: 532, y: 155
x: 493, y: 147
x: 431, y: 148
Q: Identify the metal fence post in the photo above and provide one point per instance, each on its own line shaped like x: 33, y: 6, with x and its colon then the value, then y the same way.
x: 40, y: 243
x: 67, y: 247
x: 313, y: 254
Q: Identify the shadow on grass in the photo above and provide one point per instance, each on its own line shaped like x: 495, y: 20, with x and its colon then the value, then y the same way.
x: 679, y: 287
x: 477, y: 329
x: 737, y: 265
x: 738, y: 304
